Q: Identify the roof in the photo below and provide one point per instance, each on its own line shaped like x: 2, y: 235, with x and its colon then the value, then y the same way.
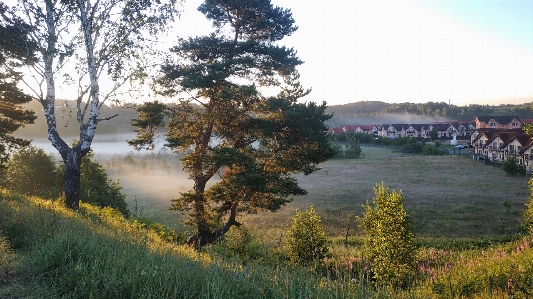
x: 366, y: 127
x: 441, y: 127
x: 498, y: 119
x: 399, y: 127
x: 351, y: 127
x: 419, y: 127
x: 521, y: 138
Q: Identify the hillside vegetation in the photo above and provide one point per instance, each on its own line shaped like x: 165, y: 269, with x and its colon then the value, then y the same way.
x: 467, y: 245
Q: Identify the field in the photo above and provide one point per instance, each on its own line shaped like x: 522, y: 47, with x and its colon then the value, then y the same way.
x: 446, y: 196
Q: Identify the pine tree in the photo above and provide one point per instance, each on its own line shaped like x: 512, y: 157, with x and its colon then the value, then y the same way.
x: 15, y: 50
x: 227, y: 126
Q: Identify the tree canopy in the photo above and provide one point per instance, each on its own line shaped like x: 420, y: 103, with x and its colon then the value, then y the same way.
x: 227, y: 128
x: 86, y: 42
x: 15, y: 49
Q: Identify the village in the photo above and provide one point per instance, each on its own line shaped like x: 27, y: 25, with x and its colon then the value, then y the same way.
x: 493, y: 138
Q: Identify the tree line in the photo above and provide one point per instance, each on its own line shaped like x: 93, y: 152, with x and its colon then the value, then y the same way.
x: 429, y: 109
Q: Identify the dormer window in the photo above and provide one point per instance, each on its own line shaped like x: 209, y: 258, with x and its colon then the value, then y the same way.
x: 514, y: 124
x: 492, y: 124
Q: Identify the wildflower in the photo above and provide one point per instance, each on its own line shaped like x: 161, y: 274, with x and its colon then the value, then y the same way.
x: 353, y: 280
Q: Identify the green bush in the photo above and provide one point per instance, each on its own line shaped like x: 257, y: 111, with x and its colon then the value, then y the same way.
x: 388, y: 241
x: 511, y: 167
x: 412, y: 148
x: 432, y: 150
x: 31, y: 172
x: 527, y: 215
x: 97, y: 188
x: 353, y: 148
x: 306, y: 241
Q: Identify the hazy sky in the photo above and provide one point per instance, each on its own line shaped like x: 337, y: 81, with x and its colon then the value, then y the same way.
x: 408, y: 51
x: 464, y: 51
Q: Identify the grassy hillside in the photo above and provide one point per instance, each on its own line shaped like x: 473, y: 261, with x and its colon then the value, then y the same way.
x: 469, y: 243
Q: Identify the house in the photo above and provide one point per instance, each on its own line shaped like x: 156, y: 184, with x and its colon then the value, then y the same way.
x: 368, y: 129
x: 394, y: 130
x: 442, y: 128
x: 350, y: 128
x: 495, y: 146
x: 498, y: 122
x: 416, y: 130
x: 335, y: 131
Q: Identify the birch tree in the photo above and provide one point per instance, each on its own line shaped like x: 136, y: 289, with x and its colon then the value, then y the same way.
x: 87, y: 42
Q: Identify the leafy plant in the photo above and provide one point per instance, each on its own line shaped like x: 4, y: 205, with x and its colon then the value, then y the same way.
x: 33, y: 173
x: 306, y: 240
x: 512, y: 168
x: 388, y: 237
x: 353, y: 148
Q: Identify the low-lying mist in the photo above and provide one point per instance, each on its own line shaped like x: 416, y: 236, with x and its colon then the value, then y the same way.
x: 150, y: 179
x: 383, y: 119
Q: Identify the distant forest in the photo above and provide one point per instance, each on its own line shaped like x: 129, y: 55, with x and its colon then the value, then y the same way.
x: 364, y: 112
x: 66, y: 120
x: 372, y: 112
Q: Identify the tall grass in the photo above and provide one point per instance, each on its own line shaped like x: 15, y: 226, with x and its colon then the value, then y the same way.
x: 48, y: 251
x: 96, y: 253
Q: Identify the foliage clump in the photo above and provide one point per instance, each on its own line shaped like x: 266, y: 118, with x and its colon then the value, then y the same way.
x: 512, y: 168
x: 32, y: 172
x: 306, y: 240
x: 388, y: 238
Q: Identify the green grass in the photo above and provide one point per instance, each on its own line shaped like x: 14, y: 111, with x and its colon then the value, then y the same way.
x: 96, y: 253
x: 470, y: 245
x: 446, y: 196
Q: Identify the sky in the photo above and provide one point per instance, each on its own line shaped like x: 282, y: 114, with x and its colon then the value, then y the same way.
x: 461, y: 52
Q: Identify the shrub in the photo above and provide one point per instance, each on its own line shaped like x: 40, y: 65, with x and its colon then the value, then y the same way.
x: 511, y: 167
x: 337, y: 149
x: 432, y: 150
x: 353, y: 148
x: 412, y: 148
x: 97, y: 188
x: 306, y: 240
x: 388, y: 238
x: 527, y: 215
x: 31, y: 172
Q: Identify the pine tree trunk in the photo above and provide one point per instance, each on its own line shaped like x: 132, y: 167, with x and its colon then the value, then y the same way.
x: 71, y: 183
x: 204, y: 237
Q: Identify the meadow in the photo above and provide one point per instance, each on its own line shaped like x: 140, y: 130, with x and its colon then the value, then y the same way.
x: 465, y: 215
x: 447, y: 197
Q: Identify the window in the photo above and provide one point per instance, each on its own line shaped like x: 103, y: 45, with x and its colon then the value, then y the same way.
x: 514, y: 124
x: 492, y: 124
x: 501, y: 156
x: 511, y: 148
x: 518, y: 148
x: 495, y: 145
x: 519, y: 161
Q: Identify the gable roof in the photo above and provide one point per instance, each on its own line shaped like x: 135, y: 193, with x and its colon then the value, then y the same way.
x: 441, y: 127
x: 366, y: 127
x: 499, y: 119
x: 521, y: 138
